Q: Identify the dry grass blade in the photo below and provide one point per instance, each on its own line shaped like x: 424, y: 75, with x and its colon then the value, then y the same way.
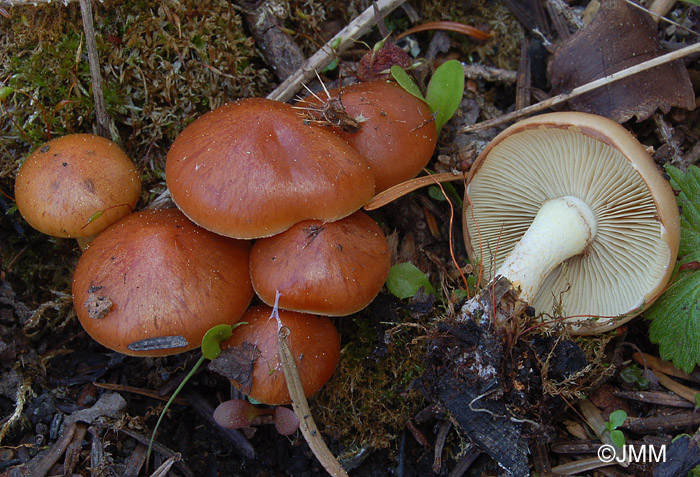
x: 666, y: 367
x: 454, y: 27
x: 301, y: 408
x: 399, y: 190
x: 165, y: 467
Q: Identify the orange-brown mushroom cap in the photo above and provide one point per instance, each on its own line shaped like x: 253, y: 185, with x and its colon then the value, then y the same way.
x: 254, y: 167
x: 396, y: 132
x: 313, y: 341
x: 333, y: 269
x: 76, y: 186
x: 153, y: 283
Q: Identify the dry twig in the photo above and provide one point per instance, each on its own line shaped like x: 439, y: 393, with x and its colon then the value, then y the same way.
x: 347, y: 36
x: 561, y: 98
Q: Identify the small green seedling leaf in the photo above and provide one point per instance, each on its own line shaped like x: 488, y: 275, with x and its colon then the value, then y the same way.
x: 617, y: 438
x: 435, y: 193
x: 675, y: 316
x: 445, y: 91
x: 405, y: 279
x: 211, y: 342
x: 616, y: 419
x: 633, y: 374
x: 406, y: 82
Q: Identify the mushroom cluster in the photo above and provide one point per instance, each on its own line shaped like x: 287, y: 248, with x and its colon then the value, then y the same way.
x: 571, y: 209
x: 153, y: 282
x: 260, y: 169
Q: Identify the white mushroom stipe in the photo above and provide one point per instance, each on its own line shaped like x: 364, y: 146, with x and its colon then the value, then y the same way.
x: 562, y: 228
x: 633, y: 246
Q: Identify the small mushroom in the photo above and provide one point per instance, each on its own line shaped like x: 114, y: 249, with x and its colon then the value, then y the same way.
x: 332, y: 269
x: 153, y: 283
x: 388, y: 126
x: 572, y: 210
x: 75, y: 186
x: 253, y: 168
x: 238, y: 413
x: 313, y: 341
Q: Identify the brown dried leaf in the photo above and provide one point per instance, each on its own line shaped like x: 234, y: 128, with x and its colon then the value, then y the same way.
x: 236, y: 364
x: 620, y: 36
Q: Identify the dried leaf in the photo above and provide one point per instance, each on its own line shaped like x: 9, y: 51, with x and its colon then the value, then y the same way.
x: 620, y: 36
x: 236, y: 364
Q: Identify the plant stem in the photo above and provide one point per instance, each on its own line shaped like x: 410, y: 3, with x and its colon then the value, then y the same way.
x: 301, y: 408
x: 93, y: 58
x: 170, y: 401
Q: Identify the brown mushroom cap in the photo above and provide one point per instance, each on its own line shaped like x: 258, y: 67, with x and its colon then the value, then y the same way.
x: 397, y: 134
x: 70, y: 179
x: 253, y: 168
x: 153, y: 283
x: 332, y: 269
x: 631, y: 257
x: 313, y: 341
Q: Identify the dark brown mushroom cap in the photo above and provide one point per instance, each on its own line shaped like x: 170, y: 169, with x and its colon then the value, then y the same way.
x: 72, y: 178
x: 396, y: 133
x: 153, y: 283
x: 254, y: 168
x: 333, y: 269
x: 313, y: 341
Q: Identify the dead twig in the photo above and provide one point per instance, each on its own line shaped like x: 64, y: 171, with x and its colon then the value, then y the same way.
x: 346, y: 37
x: 103, y: 121
x: 301, y: 408
x: 661, y: 398
x: 561, y: 98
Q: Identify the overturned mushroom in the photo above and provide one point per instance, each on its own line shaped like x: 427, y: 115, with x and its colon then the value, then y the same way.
x: 572, y: 210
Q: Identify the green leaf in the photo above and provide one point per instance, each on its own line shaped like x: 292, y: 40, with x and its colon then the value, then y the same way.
x: 617, y: 438
x: 445, y: 91
x: 406, y: 82
x: 617, y: 418
x: 5, y: 91
x: 405, y: 279
x: 212, y: 339
x: 675, y: 316
x: 435, y: 193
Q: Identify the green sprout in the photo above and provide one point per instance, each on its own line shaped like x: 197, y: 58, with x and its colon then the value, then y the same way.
x: 445, y: 89
x: 616, y: 419
x: 405, y: 279
x: 211, y: 349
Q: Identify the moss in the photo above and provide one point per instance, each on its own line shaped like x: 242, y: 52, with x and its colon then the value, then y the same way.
x: 369, y: 399
x: 502, y: 51
x: 163, y: 63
